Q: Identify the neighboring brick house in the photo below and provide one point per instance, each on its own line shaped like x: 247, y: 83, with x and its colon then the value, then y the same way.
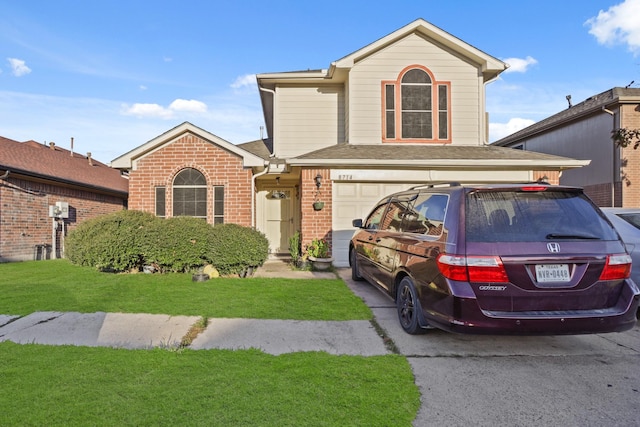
x: 404, y: 110
x: 35, y: 179
x: 583, y: 131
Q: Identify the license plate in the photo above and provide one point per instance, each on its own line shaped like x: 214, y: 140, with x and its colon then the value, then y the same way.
x: 552, y: 273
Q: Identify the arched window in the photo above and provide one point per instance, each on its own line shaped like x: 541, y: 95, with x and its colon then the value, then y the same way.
x: 190, y: 194
x: 416, y: 107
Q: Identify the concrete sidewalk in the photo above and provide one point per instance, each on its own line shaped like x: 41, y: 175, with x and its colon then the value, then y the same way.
x: 144, y: 331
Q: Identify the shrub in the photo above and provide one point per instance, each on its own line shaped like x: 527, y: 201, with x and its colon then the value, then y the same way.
x: 112, y: 241
x: 235, y: 248
x: 178, y: 244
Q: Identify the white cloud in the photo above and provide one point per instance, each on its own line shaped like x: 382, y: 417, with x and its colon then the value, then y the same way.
x: 18, y: 67
x: 143, y: 87
x: 247, y: 80
x: 147, y: 110
x: 618, y: 25
x: 519, y: 65
x: 158, y: 111
x: 192, y: 106
x: 500, y: 130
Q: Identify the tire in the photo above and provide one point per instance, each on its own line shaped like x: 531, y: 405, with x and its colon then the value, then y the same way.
x: 355, y: 270
x: 409, y: 311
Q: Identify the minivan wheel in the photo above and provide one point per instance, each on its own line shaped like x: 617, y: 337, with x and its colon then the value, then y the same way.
x: 408, y: 307
x: 353, y: 260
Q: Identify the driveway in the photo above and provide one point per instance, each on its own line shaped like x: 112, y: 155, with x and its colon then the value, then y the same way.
x: 578, y: 380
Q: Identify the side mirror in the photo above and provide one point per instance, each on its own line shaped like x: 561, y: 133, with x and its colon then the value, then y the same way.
x: 357, y: 223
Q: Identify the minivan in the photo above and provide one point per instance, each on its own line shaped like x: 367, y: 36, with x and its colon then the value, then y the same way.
x: 497, y: 259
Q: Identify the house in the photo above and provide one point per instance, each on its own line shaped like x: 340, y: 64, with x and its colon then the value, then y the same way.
x: 407, y: 109
x: 45, y: 191
x: 583, y: 131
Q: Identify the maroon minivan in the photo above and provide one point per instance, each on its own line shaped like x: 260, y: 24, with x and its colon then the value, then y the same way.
x: 497, y: 259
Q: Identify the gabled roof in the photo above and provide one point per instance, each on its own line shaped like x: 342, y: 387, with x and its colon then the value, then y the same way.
x: 489, y: 65
x: 339, y: 70
x: 594, y: 104
x: 126, y: 160
x: 53, y: 163
x: 433, y: 157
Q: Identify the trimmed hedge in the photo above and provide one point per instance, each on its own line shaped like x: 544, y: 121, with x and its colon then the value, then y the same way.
x: 235, y: 248
x: 110, y: 242
x: 128, y: 240
x: 178, y: 244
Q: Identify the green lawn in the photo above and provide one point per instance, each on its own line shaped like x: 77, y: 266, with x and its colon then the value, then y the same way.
x: 57, y: 285
x: 66, y: 385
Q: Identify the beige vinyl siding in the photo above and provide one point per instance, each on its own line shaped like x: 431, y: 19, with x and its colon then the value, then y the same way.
x: 466, y: 108
x: 308, y: 118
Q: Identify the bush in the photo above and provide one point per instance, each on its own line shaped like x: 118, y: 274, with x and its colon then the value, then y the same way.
x: 178, y: 244
x: 112, y: 241
x: 235, y: 249
x: 128, y: 240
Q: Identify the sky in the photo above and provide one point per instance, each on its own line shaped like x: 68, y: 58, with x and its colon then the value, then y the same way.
x: 115, y: 74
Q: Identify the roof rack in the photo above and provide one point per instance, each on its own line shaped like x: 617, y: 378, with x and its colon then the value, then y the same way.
x: 437, y: 183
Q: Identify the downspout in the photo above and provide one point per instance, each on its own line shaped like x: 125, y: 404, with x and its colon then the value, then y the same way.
x: 253, y: 195
x: 613, y: 159
x: 5, y: 176
x: 265, y: 171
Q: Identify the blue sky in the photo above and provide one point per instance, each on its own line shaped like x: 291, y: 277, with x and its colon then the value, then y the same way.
x: 115, y: 74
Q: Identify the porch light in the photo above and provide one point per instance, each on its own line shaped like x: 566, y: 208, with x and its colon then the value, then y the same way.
x: 318, y: 180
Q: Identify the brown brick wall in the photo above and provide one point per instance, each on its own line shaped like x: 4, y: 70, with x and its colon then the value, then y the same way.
x: 219, y: 167
x: 24, y: 215
x: 630, y: 119
x: 315, y: 224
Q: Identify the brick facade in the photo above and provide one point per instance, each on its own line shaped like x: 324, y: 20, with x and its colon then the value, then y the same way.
x: 630, y: 159
x: 315, y: 224
x: 220, y: 168
x: 25, y: 222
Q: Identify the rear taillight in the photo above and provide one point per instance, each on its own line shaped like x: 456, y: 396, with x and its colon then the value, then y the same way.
x: 617, y: 267
x: 472, y: 269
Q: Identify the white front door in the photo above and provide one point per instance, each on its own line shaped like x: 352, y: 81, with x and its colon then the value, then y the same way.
x: 278, y: 221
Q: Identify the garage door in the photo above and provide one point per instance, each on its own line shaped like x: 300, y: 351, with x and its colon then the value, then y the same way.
x: 353, y: 200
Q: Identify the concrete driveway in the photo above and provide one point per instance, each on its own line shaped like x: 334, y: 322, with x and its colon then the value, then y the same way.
x: 578, y: 380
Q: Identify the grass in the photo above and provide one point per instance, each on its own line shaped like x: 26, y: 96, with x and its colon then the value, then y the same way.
x: 66, y: 385
x: 56, y: 386
x: 57, y: 285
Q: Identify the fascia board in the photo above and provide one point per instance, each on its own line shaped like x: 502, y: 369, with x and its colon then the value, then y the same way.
x: 445, y: 164
x: 127, y: 160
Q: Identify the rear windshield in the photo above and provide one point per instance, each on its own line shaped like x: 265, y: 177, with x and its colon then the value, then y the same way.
x: 511, y: 216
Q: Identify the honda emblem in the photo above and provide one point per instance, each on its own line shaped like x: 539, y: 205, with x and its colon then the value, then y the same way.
x: 554, y: 248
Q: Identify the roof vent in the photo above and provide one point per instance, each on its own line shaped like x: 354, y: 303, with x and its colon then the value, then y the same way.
x: 89, y: 158
x: 52, y: 145
x: 569, y: 100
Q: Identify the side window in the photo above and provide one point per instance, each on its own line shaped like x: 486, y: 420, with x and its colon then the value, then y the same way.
x: 374, y: 220
x: 394, y: 216
x: 426, y: 215
x: 160, y: 201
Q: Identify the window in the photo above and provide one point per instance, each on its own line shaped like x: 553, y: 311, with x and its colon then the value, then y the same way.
x: 160, y: 201
x: 218, y: 204
x: 190, y: 194
x: 416, y: 107
x: 373, y: 222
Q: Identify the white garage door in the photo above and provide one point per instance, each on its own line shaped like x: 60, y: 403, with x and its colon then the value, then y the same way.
x: 353, y: 200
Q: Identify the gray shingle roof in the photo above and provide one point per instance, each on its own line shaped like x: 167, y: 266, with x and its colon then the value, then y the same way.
x: 391, y: 152
x: 593, y: 104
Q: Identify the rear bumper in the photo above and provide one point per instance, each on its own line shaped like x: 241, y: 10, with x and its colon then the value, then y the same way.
x: 467, y: 317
